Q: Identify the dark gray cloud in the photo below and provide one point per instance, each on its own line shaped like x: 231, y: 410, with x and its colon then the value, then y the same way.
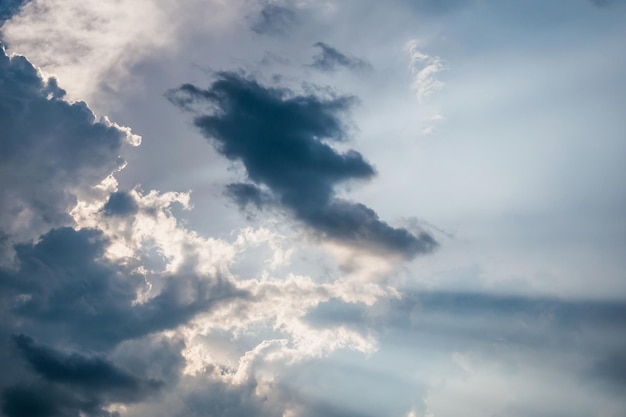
x: 65, y: 293
x: 245, y: 194
x: 120, y: 203
x: 282, y: 140
x: 59, y: 383
x: 274, y: 20
x: 94, y: 373
x: 35, y: 401
x: 330, y: 59
x: 50, y: 151
x: 65, y: 289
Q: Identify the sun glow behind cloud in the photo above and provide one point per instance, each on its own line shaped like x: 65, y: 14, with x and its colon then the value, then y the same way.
x: 294, y: 278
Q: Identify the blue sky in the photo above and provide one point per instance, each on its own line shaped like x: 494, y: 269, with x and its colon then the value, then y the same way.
x: 302, y: 208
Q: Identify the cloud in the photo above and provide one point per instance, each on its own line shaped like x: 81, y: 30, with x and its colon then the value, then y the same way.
x: 88, y: 44
x: 120, y: 204
x: 52, y: 150
x: 281, y: 140
x: 424, y: 69
x: 330, y: 59
x: 67, y: 290
x: 90, y: 373
x: 59, y: 383
x: 8, y: 8
x: 244, y: 194
x: 274, y: 20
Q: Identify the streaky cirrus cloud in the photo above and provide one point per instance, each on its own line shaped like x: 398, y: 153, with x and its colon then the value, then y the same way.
x: 424, y: 69
x: 330, y: 59
x: 281, y: 139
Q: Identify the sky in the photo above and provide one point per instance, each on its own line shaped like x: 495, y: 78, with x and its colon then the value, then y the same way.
x: 299, y: 208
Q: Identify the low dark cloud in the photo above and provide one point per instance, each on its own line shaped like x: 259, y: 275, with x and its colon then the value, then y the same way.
x: 274, y: 20
x: 282, y: 140
x: 66, y: 289
x: 50, y: 151
x: 64, y: 292
x: 60, y: 383
x: 34, y: 401
x: 94, y: 374
x: 248, y: 194
x: 330, y: 59
x: 120, y: 203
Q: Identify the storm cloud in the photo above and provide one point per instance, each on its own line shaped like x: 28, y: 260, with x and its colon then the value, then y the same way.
x: 70, y: 383
x: 51, y: 150
x: 283, y: 141
x: 67, y: 290
x: 330, y: 59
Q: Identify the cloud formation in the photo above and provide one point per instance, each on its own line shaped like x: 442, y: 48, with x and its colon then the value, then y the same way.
x: 120, y: 204
x: 53, y: 151
x: 424, y: 69
x: 71, y: 382
x: 274, y: 20
x: 330, y: 59
x: 64, y: 284
x: 282, y: 141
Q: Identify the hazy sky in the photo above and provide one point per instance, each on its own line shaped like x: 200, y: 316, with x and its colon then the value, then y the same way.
x: 298, y: 208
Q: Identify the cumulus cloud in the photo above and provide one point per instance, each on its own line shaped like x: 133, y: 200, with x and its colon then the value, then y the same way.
x: 282, y: 141
x: 424, y: 69
x: 62, y: 282
x: 330, y: 59
x: 53, y: 151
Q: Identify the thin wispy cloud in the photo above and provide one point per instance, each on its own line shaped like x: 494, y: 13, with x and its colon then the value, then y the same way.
x: 424, y: 69
x: 330, y: 59
x: 274, y: 20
